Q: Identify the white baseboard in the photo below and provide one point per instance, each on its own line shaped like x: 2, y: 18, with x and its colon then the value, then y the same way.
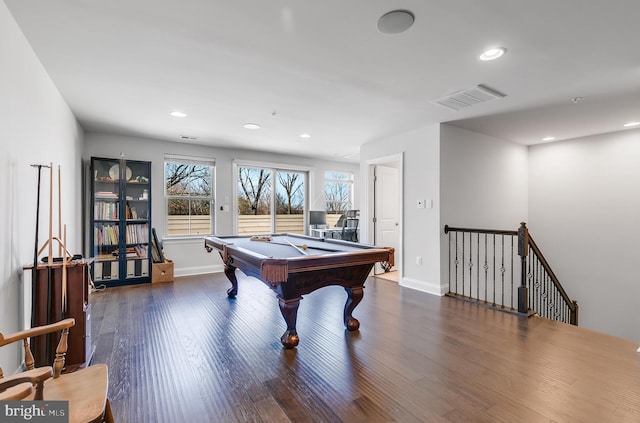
x: 430, y: 288
x: 188, y: 271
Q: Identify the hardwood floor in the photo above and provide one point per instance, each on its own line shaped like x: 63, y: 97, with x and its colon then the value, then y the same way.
x: 184, y: 352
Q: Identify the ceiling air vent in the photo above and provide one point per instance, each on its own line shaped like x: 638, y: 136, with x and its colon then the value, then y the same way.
x: 471, y: 97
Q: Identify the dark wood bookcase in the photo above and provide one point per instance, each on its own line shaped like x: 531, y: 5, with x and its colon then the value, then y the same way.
x: 120, y: 224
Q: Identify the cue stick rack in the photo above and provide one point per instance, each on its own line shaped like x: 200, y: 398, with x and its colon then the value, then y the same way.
x: 59, y: 290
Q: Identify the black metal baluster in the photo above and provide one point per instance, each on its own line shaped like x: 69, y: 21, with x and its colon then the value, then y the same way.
x: 486, y: 269
x: 512, y: 275
x: 449, y: 238
x: 462, y: 271
x: 478, y: 266
x: 546, y: 295
x: 470, y: 265
x: 494, y: 270
x: 540, y: 284
x: 456, y: 262
x: 502, y: 270
x: 534, y: 288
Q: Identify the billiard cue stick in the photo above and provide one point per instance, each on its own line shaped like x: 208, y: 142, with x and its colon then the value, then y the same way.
x: 303, y: 246
x: 64, y: 274
x: 59, y: 214
x: 296, y: 247
x: 307, y: 247
x: 34, y: 271
x: 50, y: 281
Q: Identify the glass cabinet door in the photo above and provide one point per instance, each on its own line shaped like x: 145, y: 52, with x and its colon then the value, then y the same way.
x: 137, y: 223
x: 106, y: 219
x: 121, y: 221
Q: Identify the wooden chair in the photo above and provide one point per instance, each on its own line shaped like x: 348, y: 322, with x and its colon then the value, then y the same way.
x: 85, y: 389
x: 16, y: 392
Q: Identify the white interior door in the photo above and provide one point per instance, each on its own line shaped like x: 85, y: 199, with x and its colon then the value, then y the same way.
x: 387, y: 208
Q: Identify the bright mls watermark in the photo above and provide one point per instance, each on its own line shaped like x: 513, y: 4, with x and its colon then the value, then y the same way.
x: 34, y: 411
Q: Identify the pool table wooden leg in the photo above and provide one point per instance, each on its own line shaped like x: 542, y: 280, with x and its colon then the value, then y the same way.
x: 289, y: 310
x: 354, y: 296
x: 230, y: 272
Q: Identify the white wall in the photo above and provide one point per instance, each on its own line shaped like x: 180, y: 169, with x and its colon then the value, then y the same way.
x: 37, y: 128
x: 483, y: 184
x: 189, y: 255
x: 483, y: 180
x: 584, y: 202
x: 420, y: 227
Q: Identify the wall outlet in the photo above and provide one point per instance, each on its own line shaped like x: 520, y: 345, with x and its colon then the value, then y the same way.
x: 419, y: 261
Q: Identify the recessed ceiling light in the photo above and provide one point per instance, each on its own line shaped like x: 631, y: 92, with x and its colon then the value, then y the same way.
x: 178, y: 114
x: 251, y: 126
x: 395, y: 22
x: 493, y: 53
x: 548, y: 138
x: 631, y: 124
x: 305, y: 135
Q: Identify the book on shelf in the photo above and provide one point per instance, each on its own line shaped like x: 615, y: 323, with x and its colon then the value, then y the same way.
x: 105, y: 257
x: 137, y: 233
x: 106, y: 270
x: 106, y: 235
x: 106, y: 194
x: 136, y: 268
x: 105, y: 210
x: 142, y: 250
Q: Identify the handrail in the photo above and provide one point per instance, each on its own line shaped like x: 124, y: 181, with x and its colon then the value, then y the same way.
x: 535, y: 295
x: 572, y: 304
x: 448, y: 228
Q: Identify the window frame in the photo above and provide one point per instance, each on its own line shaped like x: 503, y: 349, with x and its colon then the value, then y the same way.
x: 350, y: 182
x: 273, y: 168
x: 190, y: 160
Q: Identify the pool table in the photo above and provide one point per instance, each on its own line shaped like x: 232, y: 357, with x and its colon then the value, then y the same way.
x: 294, y: 265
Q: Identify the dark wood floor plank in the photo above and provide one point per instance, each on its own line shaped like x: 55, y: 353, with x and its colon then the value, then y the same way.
x: 185, y: 352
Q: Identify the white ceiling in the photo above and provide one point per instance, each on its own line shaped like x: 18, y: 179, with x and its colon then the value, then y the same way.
x: 325, y: 69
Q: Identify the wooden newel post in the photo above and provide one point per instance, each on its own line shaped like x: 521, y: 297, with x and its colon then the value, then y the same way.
x: 523, y: 252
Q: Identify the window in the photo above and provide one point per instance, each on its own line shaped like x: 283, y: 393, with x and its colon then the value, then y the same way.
x: 270, y: 200
x: 189, y: 195
x: 338, y: 193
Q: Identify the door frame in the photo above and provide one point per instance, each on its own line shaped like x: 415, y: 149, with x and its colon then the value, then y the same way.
x: 370, y: 205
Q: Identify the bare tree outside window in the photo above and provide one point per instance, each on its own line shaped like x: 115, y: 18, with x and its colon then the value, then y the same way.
x: 189, y: 192
x: 270, y: 201
x: 338, y: 189
x: 254, y: 191
x: 290, y: 193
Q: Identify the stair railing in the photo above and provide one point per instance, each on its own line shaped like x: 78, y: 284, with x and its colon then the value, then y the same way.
x: 507, y: 270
